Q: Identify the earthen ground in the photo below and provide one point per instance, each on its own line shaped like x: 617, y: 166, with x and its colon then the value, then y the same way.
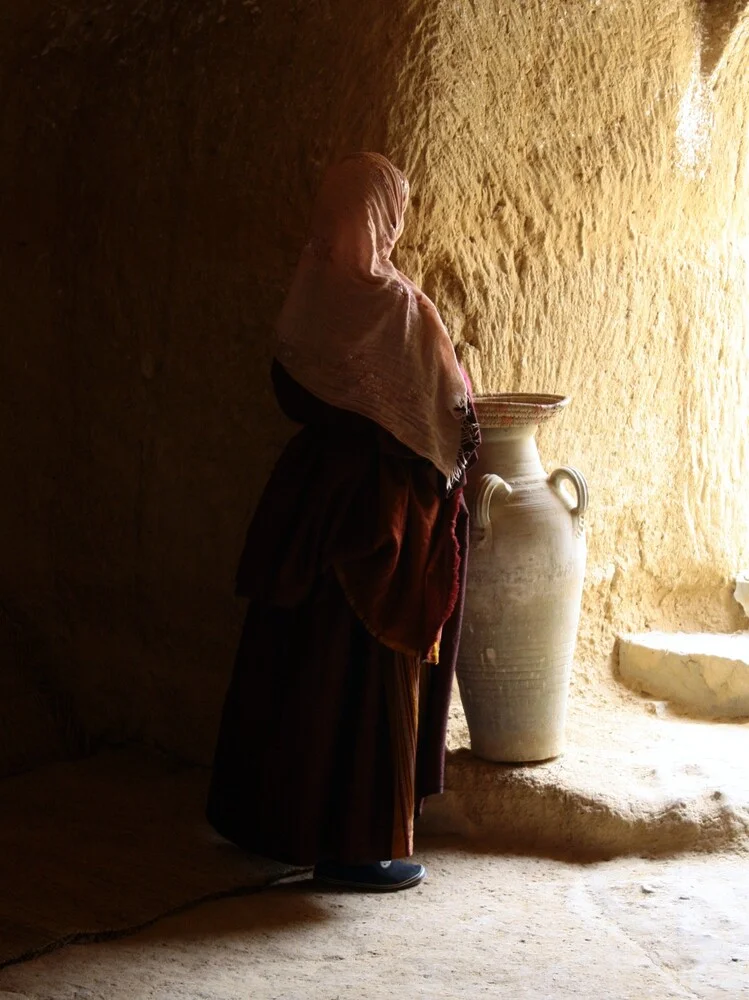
x: 543, y: 918
x: 483, y: 924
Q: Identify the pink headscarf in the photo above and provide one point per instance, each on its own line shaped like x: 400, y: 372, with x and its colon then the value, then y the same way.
x: 361, y: 336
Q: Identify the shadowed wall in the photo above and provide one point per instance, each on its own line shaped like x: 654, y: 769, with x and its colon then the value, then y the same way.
x: 580, y: 216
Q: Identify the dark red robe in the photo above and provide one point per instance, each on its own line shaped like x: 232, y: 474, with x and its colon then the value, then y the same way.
x: 354, y: 566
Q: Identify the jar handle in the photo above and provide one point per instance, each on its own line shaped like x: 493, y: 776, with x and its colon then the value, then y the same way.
x: 488, y: 485
x: 578, y: 481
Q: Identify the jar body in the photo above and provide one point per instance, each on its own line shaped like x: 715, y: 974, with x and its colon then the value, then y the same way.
x: 523, y: 595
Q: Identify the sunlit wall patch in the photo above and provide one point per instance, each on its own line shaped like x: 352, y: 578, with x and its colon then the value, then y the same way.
x: 694, y: 124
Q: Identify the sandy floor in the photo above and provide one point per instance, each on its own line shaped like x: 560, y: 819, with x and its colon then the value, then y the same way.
x: 481, y: 925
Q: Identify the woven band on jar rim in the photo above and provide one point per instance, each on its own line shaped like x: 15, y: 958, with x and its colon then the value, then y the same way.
x: 507, y: 408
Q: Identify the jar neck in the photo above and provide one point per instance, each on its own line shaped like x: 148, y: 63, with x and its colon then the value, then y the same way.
x: 510, y: 452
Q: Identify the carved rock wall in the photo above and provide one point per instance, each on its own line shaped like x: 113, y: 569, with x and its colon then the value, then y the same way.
x: 580, y: 216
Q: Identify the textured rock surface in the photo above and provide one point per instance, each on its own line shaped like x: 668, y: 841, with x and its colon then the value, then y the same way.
x: 741, y: 591
x: 580, y: 216
x: 702, y: 673
x: 633, y: 779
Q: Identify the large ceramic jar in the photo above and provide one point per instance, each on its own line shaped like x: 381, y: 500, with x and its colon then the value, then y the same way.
x: 524, y: 588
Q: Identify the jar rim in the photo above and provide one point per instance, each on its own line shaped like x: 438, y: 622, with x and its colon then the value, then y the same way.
x: 504, y: 409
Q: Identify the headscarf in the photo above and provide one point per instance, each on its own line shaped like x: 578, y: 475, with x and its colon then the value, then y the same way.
x: 360, y: 335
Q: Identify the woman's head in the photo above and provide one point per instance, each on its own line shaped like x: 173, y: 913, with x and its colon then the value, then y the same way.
x: 359, y: 334
x: 359, y: 211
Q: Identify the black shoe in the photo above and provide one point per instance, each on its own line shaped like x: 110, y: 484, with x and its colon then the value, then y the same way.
x: 380, y: 876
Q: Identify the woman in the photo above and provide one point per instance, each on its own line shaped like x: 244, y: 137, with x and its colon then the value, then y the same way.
x: 332, y: 733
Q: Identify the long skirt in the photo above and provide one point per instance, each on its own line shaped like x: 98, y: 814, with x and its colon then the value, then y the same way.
x: 325, y: 752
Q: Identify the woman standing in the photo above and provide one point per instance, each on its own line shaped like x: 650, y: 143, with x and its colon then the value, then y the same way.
x: 334, y: 724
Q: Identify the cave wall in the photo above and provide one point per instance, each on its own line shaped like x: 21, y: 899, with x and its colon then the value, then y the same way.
x: 580, y: 216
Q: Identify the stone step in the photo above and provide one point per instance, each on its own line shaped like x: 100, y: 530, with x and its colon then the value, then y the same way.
x: 703, y: 674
